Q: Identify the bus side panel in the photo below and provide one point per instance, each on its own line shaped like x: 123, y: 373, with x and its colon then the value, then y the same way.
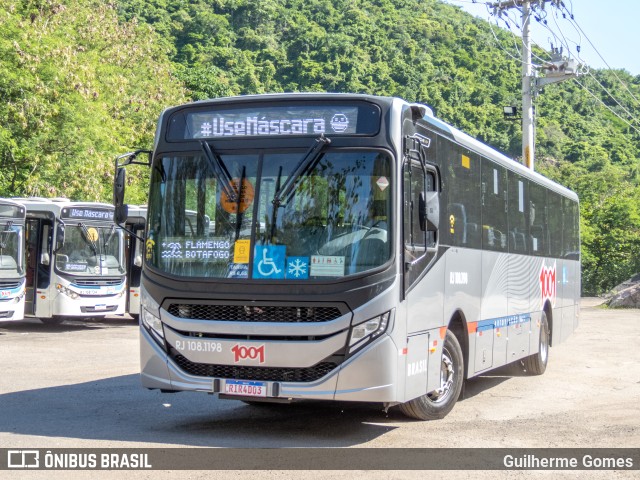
x: 424, y: 301
x: 463, y: 287
x: 44, y: 302
x: 417, y: 366
x: 424, y: 313
x: 519, y: 285
x: 495, y: 268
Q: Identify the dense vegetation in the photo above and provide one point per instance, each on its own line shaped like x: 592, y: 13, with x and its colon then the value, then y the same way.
x: 82, y: 81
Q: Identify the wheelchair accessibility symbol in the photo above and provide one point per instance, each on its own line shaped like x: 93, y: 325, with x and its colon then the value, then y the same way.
x: 268, y: 261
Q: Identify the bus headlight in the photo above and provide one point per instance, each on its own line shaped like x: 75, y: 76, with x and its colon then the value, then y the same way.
x: 66, y: 291
x: 365, y: 332
x: 150, y: 317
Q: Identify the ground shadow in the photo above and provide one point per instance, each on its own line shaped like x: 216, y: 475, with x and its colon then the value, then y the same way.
x: 119, y: 409
x: 489, y: 380
x: 34, y: 325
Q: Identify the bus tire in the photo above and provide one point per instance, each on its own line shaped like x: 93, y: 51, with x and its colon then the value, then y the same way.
x: 438, y: 403
x: 536, y: 364
x: 55, y: 320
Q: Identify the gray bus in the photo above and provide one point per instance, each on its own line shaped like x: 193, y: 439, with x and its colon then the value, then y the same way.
x: 345, y: 247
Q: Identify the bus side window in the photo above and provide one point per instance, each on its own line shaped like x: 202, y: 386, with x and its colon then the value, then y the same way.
x: 417, y: 238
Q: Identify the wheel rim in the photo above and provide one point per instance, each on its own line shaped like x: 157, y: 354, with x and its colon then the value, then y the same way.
x: 544, y: 343
x: 447, y: 373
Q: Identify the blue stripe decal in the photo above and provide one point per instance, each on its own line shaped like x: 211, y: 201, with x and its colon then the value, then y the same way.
x: 503, y: 322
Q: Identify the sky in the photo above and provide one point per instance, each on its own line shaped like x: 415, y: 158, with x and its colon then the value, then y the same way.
x: 612, y: 28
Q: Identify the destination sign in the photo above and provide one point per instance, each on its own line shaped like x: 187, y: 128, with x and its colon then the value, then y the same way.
x: 11, y: 211
x: 87, y: 213
x: 276, y: 120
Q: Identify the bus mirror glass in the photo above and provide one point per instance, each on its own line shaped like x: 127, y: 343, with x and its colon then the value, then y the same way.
x: 138, y: 261
x: 59, y: 237
x: 121, y: 214
x: 118, y: 196
x: 44, y: 259
x: 432, y: 207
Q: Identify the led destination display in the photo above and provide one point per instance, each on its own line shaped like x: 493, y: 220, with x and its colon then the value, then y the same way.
x: 276, y: 120
x: 87, y: 213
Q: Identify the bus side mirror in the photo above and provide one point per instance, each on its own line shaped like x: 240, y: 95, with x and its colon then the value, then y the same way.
x: 119, y: 182
x: 429, y: 211
x: 59, y: 238
x: 138, y: 261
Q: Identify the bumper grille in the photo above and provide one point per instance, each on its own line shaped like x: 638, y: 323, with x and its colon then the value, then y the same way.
x: 111, y: 308
x: 90, y: 282
x: 267, y: 374
x: 254, y: 313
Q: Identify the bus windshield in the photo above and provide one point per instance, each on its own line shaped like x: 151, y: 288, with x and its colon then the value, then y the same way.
x: 334, y: 222
x: 91, y: 250
x: 11, y: 250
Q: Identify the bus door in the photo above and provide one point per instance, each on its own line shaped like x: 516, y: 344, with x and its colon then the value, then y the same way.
x: 134, y: 266
x: 38, y: 275
x: 421, y: 188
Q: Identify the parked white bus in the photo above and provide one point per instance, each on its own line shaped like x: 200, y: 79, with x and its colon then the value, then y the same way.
x: 12, y: 260
x: 75, y: 260
x: 361, y: 250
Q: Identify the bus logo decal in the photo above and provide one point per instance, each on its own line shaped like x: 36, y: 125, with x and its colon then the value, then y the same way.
x: 242, y: 352
x: 548, y: 284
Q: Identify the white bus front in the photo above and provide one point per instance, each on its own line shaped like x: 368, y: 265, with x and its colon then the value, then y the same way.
x: 89, y: 271
x: 75, y: 261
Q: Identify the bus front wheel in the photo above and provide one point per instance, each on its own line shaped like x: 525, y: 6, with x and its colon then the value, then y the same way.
x: 438, y: 403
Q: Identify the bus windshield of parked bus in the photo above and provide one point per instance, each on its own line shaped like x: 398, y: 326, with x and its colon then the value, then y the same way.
x: 11, y: 249
x: 91, y: 250
x: 335, y: 220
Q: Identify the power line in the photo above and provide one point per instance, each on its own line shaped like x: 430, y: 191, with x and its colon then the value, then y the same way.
x: 606, y: 106
x: 573, y: 20
x: 615, y: 99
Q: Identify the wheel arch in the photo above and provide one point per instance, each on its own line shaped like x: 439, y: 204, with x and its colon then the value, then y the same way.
x: 458, y: 326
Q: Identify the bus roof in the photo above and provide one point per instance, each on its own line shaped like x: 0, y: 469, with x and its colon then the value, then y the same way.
x: 428, y: 117
x: 62, y: 207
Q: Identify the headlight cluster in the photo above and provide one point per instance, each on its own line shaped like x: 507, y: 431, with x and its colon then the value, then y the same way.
x: 365, y: 332
x: 150, y: 316
x: 67, y: 291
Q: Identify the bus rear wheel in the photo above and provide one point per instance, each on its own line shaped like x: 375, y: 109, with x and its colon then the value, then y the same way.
x: 438, y: 403
x: 536, y: 364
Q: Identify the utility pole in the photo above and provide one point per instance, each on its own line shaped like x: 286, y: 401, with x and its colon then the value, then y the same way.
x: 557, y: 70
x: 528, y: 126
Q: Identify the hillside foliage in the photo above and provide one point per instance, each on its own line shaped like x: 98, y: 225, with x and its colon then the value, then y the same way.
x: 83, y: 81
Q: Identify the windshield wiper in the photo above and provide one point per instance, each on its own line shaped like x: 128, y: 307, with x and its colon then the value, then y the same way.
x: 220, y: 171
x: 111, y: 232
x: 87, y: 237
x: 5, y: 234
x: 305, y: 166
